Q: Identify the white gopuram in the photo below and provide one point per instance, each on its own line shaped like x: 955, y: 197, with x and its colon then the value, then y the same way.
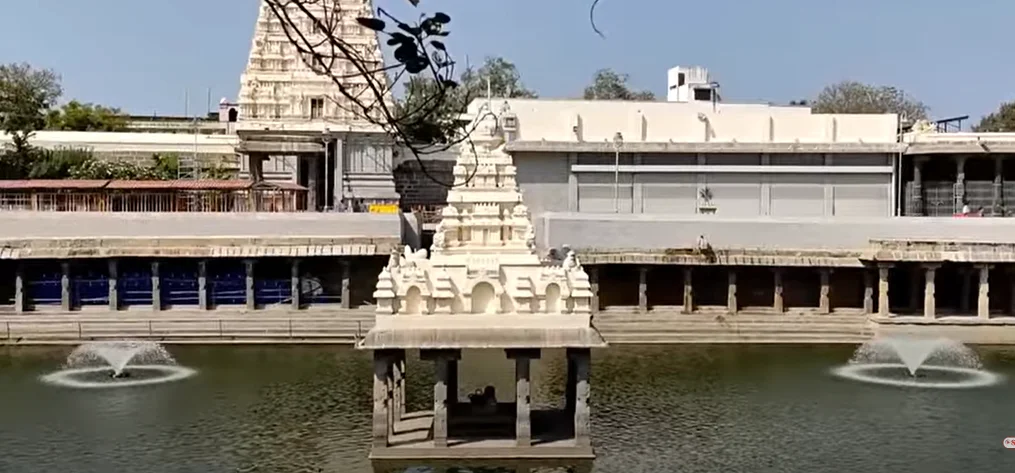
x: 279, y: 90
x: 483, y: 271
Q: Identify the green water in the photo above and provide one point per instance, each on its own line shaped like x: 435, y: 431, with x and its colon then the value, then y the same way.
x: 655, y: 409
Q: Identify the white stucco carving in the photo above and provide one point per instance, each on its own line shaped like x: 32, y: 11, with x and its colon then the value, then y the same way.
x: 483, y: 259
x: 278, y: 87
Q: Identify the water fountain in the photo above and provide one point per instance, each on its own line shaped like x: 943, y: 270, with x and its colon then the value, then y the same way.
x: 118, y: 364
x: 939, y: 363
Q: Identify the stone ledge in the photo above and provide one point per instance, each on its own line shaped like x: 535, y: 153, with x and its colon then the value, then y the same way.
x: 964, y: 321
x: 731, y: 257
x: 194, y: 247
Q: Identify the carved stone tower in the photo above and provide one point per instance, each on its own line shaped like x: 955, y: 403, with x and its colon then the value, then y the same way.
x: 279, y: 87
x: 483, y: 257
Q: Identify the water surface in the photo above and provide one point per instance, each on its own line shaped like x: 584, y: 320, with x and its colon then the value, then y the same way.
x: 655, y: 409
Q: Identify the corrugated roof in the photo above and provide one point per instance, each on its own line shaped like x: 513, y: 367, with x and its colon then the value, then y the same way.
x: 182, y: 184
x: 54, y: 184
x: 120, y: 184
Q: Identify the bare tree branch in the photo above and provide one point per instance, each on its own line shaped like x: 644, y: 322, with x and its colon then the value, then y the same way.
x: 432, y: 124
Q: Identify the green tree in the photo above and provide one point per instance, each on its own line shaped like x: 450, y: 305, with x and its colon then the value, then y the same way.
x: 501, y: 75
x: 26, y: 95
x: 857, y: 97
x: 430, y: 112
x: 1003, y: 120
x: 610, y: 85
x: 77, y: 116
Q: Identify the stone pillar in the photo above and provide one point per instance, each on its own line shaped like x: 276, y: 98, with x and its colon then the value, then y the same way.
x: 966, y: 287
x: 202, y: 285
x: 338, y: 190
x: 918, y: 163
x: 389, y: 419
x: 825, y: 300
x: 156, y: 287
x: 380, y: 416
x: 20, y: 301
x: 400, y: 407
x: 313, y: 176
x: 731, y: 290
x: 440, y: 403
x: 114, y: 286
x: 929, y: 306
x: 688, y: 290
x: 594, y: 282
x: 523, y: 423
x: 997, y: 198
x: 983, y: 296
x: 777, y: 302
x: 346, y: 292
x: 251, y: 295
x: 960, y: 182
x: 582, y: 411
x: 642, y: 290
x: 255, y: 166
x: 65, y: 289
x: 868, y: 292
x: 295, y: 284
x: 883, y: 308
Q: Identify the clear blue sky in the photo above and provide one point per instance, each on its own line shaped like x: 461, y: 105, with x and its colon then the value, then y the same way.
x: 143, y: 55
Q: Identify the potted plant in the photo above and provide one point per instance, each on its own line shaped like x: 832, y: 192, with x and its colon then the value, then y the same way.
x: 705, y: 205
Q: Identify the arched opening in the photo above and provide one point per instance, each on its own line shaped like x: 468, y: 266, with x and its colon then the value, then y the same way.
x: 553, y: 299
x: 233, y: 115
x: 413, y: 301
x: 483, y: 299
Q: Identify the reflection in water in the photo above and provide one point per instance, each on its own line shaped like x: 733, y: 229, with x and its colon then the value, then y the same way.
x: 673, y: 408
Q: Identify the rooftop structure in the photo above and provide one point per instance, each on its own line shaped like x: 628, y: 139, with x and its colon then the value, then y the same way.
x: 690, y: 84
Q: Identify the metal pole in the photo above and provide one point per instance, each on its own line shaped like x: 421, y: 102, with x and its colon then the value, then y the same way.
x: 616, y: 180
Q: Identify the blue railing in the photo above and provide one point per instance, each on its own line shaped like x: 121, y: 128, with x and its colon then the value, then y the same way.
x: 136, y: 288
x: 90, y: 288
x: 272, y: 291
x: 44, y: 289
x: 227, y: 287
x: 179, y: 285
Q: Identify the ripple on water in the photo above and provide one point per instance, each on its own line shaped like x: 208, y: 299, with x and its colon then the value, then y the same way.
x: 99, y: 377
x: 928, y: 376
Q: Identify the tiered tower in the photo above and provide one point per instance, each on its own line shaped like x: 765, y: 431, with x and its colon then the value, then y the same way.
x: 484, y: 258
x: 278, y: 88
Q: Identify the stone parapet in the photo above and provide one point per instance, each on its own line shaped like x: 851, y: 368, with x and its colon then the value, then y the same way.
x: 25, y: 235
x: 214, y: 247
x: 734, y: 257
x: 939, y: 251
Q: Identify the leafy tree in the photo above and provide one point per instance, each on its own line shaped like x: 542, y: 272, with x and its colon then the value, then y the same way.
x: 609, y: 85
x: 503, y: 77
x: 857, y: 97
x: 446, y: 105
x: 1003, y: 120
x: 77, y: 116
x: 26, y: 95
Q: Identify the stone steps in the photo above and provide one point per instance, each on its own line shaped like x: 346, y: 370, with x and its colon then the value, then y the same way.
x: 734, y: 338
